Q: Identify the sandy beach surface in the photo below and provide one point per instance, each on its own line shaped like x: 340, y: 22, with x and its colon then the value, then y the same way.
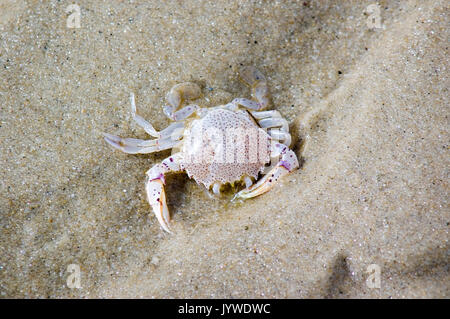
x: 364, y: 86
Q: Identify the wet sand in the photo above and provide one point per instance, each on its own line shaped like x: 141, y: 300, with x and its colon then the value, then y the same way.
x: 368, y: 109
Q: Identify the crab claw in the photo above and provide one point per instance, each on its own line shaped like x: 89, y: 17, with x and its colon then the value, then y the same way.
x: 157, y: 199
x: 287, y: 164
x: 154, y: 187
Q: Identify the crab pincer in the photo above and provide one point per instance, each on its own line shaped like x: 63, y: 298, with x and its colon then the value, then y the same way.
x: 154, y: 187
x: 287, y: 163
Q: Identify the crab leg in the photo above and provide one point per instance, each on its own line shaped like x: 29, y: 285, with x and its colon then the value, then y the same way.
x: 286, y: 165
x: 141, y: 121
x: 265, y: 114
x: 182, y: 114
x: 248, y: 104
x: 137, y: 146
x: 175, y: 130
x: 168, y: 138
x: 257, y: 81
x: 154, y: 187
x: 176, y: 96
x: 272, y: 119
x: 274, y: 122
x: 279, y: 135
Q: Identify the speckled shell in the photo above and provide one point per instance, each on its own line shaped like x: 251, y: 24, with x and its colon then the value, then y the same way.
x: 223, y: 147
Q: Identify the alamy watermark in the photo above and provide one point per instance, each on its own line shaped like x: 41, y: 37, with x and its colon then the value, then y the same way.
x: 374, y: 19
x: 74, y: 279
x: 230, y: 146
x: 374, y: 278
x: 74, y: 18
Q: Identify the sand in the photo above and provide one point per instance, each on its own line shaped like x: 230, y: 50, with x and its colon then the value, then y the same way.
x: 368, y: 108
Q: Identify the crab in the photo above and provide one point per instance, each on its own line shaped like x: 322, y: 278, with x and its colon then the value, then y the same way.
x: 227, y: 144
